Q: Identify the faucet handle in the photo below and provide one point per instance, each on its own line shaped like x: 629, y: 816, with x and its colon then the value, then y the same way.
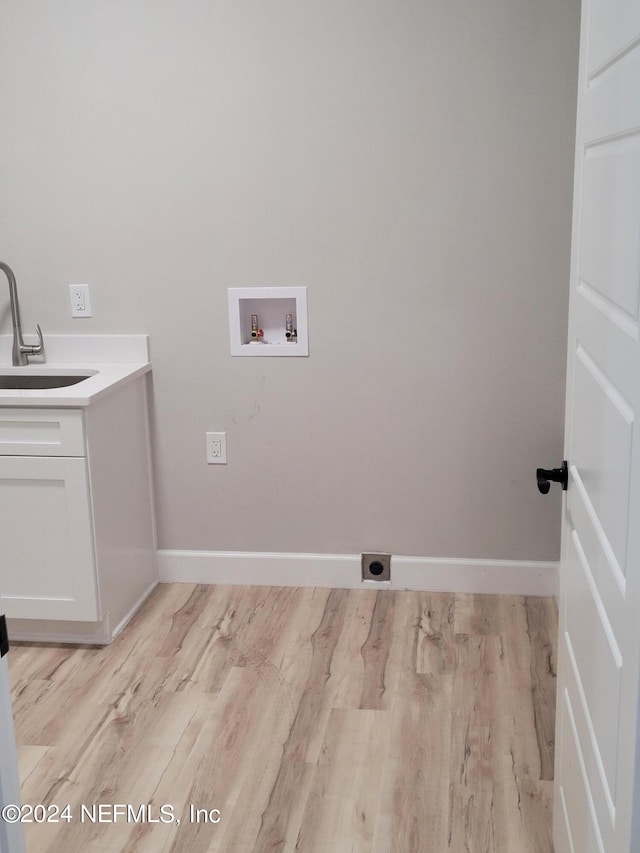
x: 39, y: 347
x: 34, y: 349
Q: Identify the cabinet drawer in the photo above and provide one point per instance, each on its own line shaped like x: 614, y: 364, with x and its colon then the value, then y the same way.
x: 41, y: 432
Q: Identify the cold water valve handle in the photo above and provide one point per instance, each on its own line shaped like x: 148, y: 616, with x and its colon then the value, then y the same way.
x: 553, y: 475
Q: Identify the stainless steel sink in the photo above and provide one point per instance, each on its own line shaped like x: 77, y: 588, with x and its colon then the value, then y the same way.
x: 31, y: 381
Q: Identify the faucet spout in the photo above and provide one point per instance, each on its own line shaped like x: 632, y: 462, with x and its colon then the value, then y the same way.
x: 20, y: 351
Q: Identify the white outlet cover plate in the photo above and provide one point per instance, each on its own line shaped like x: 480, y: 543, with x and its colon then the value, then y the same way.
x: 216, y: 448
x: 80, y: 300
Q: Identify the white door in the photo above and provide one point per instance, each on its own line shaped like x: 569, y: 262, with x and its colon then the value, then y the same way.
x: 11, y: 835
x: 597, y: 792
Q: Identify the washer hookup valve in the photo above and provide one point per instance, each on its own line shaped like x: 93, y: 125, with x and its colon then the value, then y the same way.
x: 291, y: 334
x: 256, y: 333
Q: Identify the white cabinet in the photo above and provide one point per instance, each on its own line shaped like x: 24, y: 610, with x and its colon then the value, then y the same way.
x: 76, y: 517
x: 48, y: 569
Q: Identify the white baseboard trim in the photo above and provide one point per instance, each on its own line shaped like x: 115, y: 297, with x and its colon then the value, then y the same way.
x: 88, y: 633
x: 50, y: 631
x: 122, y: 624
x: 493, y: 577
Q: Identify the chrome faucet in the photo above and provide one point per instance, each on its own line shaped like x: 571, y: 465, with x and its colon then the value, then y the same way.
x: 20, y: 352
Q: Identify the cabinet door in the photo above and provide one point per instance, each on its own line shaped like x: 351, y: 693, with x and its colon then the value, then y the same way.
x: 47, y: 567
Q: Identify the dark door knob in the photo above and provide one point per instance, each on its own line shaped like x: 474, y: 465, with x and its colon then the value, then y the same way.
x: 556, y: 475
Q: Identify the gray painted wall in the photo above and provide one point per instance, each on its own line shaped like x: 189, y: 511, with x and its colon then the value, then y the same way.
x: 409, y: 162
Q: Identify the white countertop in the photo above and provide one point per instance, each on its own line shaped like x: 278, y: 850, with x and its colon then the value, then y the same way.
x: 113, y: 360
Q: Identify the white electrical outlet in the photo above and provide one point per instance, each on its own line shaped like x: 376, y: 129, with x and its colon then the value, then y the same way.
x: 80, y: 301
x: 216, y: 448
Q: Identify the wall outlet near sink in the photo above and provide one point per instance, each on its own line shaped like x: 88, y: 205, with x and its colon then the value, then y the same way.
x: 80, y: 300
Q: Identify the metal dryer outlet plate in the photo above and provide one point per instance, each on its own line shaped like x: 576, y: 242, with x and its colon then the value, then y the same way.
x: 376, y: 567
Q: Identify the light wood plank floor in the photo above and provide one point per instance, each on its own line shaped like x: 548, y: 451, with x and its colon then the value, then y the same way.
x: 314, y: 720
